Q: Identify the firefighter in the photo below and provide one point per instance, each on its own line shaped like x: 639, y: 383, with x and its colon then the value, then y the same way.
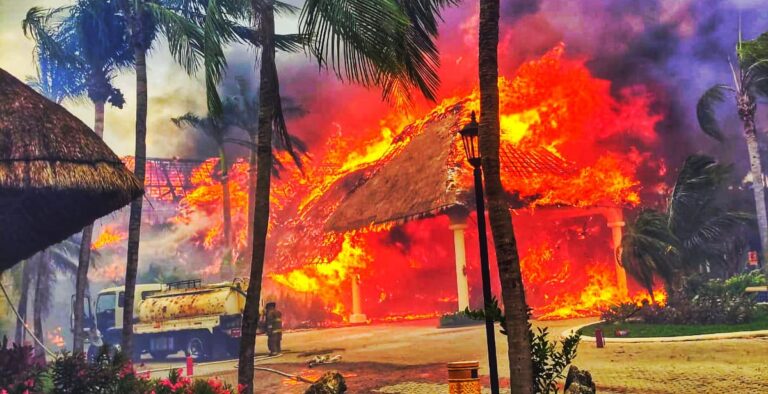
x: 273, y: 328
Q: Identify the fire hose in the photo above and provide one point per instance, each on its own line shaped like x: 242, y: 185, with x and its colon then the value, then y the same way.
x: 23, y: 323
x: 281, y: 373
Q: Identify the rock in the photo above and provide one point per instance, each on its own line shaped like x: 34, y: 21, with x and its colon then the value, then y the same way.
x: 330, y: 383
x: 579, y: 382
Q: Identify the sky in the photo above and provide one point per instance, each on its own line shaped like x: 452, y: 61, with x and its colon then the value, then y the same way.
x: 676, y: 48
x: 171, y: 91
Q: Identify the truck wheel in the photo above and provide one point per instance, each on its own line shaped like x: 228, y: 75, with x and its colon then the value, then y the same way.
x: 159, y: 355
x: 197, y: 346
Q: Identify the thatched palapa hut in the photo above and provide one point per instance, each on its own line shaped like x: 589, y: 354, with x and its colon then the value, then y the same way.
x: 427, y: 175
x: 56, y: 174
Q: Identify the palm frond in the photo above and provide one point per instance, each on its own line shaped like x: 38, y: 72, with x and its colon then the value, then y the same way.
x: 698, y: 183
x: 386, y: 43
x: 188, y: 119
x: 649, y: 248
x: 183, y: 36
x: 717, y: 229
x: 705, y: 111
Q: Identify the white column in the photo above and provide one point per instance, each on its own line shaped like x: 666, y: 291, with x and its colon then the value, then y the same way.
x: 616, y: 223
x: 357, y: 315
x: 462, y: 288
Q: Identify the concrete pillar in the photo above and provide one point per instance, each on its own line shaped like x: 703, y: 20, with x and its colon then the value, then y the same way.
x: 462, y: 288
x: 357, y: 315
x: 616, y: 223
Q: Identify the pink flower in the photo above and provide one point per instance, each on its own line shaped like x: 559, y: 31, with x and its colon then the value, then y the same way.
x: 3, y: 391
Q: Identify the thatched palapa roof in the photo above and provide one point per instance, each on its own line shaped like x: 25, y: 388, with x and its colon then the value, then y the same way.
x: 429, y: 176
x: 56, y: 174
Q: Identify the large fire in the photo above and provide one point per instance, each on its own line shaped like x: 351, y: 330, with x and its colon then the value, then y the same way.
x: 406, y: 270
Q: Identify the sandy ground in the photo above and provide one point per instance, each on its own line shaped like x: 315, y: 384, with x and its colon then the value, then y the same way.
x: 410, y: 358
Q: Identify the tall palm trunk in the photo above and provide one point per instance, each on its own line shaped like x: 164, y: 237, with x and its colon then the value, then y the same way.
x: 26, y: 280
x: 84, y: 260
x: 251, y: 195
x: 226, y: 205
x: 268, y: 93
x: 747, y: 108
x: 134, y: 224
x: 512, y: 292
x: 38, y: 307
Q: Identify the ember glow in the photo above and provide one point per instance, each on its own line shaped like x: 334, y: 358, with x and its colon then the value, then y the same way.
x: 54, y: 336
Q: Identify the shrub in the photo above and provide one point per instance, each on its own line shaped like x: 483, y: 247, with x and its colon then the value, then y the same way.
x: 619, y: 313
x: 701, y: 301
x: 738, y: 283
x: 114, y: 374
x: 72, y: 373
x: 456, y: 319
x: 549, y: 360
x: 18, y: 371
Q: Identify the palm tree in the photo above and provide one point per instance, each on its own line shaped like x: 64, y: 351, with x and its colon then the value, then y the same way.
x: 215, y: 129
x: 27, y: 275
x: 67, y: 51
x: 146, y: 19
x: 695, y: 231
x: 750, y: 80
x: 97, y: 61
x: 39, y: 278
x: 650, y: 250
x: 508, y: 260
x: 242, y: 112
x: 384, y: 43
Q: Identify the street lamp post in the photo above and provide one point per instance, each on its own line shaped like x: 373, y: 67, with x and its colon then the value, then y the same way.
x: 469, y: 136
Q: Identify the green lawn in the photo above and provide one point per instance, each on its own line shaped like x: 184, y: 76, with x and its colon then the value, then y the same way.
x: 643, y: 330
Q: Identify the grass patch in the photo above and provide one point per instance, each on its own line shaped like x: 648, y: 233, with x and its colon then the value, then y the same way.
x: 644, y: 330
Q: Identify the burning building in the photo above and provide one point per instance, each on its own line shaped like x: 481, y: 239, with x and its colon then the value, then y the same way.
x: 409, y: 208
x: 381, y: 229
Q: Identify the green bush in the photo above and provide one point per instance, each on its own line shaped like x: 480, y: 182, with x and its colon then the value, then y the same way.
x: 738, y: 283
x: 456, y: 319
x: 549, y: 360
x: 109, y: 374
x: 701, y: 301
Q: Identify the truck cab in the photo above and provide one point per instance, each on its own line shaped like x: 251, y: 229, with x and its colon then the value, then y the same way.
x: 110, y: 303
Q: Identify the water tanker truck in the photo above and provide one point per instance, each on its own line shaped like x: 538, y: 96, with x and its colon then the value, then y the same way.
x: 201, y: 320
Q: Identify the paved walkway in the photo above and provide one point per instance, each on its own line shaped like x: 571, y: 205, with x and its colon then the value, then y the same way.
x: 410, y: 358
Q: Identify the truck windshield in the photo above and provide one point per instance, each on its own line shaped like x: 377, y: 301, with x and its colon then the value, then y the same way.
x: 105, y: 302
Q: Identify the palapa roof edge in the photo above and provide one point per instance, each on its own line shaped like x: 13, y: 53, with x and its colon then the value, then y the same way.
x: 56, y: 174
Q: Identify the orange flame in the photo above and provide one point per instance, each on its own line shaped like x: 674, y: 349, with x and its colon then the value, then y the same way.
x: 110, y: 236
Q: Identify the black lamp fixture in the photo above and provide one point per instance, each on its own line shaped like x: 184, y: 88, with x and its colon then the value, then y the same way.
x: 469, y: 137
